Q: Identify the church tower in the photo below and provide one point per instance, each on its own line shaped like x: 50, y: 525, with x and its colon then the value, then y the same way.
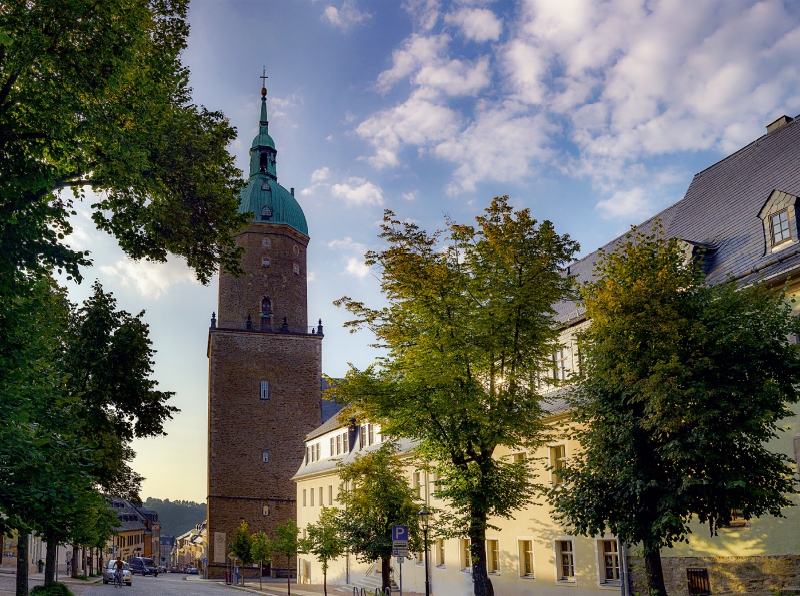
x: 265, y: 364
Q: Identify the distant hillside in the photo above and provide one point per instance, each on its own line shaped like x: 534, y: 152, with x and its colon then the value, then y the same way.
x: 177, y: 517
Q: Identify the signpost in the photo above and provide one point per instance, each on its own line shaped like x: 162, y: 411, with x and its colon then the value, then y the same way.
x: 400, y: 548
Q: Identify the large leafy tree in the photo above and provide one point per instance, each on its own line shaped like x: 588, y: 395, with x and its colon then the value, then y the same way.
x: 684, y: 384
x: 468, y: 329
x: 287, y: 543
x: 93, y: 95
x: 261, y: 551
x: 109, y: 358
x: 324, y: 542
x: 375, y: 495
x: 241, y: 546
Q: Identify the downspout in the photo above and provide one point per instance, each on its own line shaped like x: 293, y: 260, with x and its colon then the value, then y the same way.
x: 624, y: 584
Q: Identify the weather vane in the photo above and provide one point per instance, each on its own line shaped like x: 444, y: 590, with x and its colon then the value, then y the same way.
x: 264, y: 78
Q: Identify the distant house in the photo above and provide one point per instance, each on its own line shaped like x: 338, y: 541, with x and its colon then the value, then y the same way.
x: 138, y: 533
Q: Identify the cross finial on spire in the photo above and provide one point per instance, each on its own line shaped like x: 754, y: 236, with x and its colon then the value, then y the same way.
x: 264, y: 78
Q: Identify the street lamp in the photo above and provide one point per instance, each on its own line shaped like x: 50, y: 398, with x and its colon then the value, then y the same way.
x: 424, y: 518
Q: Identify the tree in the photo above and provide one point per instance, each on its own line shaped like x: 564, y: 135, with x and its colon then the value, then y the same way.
x: 375, y: 495
x: 109, y: 358
x: 261, y: 551
x: 323, y: 541
x: 241, y: 546
x: 287, y: 544
x: 94, y: 95
x: 683, y: 385
x: 468, y: 330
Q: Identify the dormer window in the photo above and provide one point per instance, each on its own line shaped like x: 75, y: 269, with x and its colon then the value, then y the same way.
x: 779, y: 218
x: 779, y: 223
x: 266, y: 212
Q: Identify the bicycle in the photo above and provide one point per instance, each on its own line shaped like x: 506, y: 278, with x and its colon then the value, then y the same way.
x: 118, y: 577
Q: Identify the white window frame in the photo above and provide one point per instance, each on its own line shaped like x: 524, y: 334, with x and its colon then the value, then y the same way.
x: 521, y: 558
x: 498, y: 571
x: 443, y: 550
x: 265, y: 456
x: 464, y: 565
x: 264, y: 394
x: 552, y: 462
x: 557, y: 553
x: 601, y: 564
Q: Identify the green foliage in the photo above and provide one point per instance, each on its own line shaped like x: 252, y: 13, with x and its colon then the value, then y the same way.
x: 109, y: 357
x: 178, y: 516
x: 54, y: 589
x: 241, y: 545
x: 684, y: 385
x: 323, y: 541
x: 287, y: 544
x: 468, y: 329
x: 94, y: 95
x: 375, y: 495
x: 261, y: 550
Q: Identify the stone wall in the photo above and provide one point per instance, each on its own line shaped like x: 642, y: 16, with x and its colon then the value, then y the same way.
x: 275, y: 267
x: 756, y: 576
x: 243, y: 427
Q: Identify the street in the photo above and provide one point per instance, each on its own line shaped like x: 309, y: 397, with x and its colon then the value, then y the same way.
x: 163, y: 585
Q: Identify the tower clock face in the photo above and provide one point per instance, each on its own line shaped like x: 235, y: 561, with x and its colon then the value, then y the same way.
x: 266, y: 243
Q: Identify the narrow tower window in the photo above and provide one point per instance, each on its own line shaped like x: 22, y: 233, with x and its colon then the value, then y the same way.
x: 264, y: 389
x: 263, y: 161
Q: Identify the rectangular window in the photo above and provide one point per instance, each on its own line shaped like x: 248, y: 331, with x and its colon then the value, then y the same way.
x: 265, y: 457
x: 311, y: 493
x: 333, y: 447
x: 526, y: 558
x: 264, y: 389
x: 519, y: 457
x: 560, y: 364
x: 609, y: 573
x: 321, y: 502
x: 345, y: 443
x: 308, y: 454
x: 434, y: 484
x: 371, y: 434
x: 493, y: 556
x: 466, y: 555
x: 338, y: 444
x: 304, y: 497
x: 566, y: 560
x: 361, y: 437
x: 779, y: 222
x: 440, y: 552
x: 330, y: 494
x: 317, y: 454
x: 416, y: 484
x: 558, y: 457
x: 698, y: 581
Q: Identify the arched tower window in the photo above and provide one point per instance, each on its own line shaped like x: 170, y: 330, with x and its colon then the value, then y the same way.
x: 263, y: 161
x: 266, y: 313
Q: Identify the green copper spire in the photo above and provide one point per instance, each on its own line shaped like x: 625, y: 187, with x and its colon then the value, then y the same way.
x: 268, y: 201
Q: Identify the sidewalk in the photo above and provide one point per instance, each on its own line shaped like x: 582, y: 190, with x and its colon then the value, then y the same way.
x: 39, y: 578
x: 274, y: 589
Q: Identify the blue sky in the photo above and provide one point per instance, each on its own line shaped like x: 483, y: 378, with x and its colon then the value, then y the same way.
x: 595, y: 115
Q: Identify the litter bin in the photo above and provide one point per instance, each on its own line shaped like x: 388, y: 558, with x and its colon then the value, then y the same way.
x: 228, y: 577
x: 41, y: 567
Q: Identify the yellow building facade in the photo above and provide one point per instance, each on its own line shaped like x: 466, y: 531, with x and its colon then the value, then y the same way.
x: 741, y: 216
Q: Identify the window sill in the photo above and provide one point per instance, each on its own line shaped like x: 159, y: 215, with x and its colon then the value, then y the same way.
x: 467, y: 571
x: 441, y: 567
x: 612, y: 585
x: 567, y: 582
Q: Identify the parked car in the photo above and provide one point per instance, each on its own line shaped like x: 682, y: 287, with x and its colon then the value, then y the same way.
x: 143, y: 566
x: 193, y: 571
x: 175, y: 569
x: 108, y: 573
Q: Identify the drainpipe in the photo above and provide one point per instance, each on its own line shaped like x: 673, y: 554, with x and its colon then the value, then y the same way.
x: 624, y: 584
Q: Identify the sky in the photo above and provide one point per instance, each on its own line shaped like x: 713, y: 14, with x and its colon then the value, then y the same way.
x: 593, y: 114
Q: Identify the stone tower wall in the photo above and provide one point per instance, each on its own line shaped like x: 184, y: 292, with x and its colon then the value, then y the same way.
x: 283, y: 281
x: 243, y: 426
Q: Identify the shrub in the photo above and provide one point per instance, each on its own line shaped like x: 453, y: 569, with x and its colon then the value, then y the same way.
x: 57, y: 589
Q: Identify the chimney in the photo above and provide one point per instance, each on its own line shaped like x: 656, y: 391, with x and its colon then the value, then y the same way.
x: 779, y: 123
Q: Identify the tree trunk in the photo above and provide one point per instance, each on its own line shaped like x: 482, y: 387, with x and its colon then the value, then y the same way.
x: 386, y: 572
x: 653, y: 571
x: 50, y: 560
x: 482, y: 585
x: 325, y: 580
x: 22, y: 564
x: 260, y: 575
x: 74, y: 564
x: 289, y: 575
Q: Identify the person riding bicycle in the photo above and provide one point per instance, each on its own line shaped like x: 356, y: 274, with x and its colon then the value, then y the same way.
x: 118, y: 567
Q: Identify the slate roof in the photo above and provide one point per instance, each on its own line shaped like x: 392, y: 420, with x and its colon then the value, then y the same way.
x: 721, y: 208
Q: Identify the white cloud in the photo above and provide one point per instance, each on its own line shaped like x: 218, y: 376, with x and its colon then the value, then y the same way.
x: 346, y: 17
x: 598, y: 89
x: 358, y: 191
x: 411, y: 196
x: 477, y: 24
x: 150, y: 279
x: 347, y: 243
x: 356, y: 267
x: 632, y: 204
x: 320, y: 175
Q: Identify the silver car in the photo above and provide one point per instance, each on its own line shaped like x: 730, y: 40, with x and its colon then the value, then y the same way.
x: 108, y: 573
